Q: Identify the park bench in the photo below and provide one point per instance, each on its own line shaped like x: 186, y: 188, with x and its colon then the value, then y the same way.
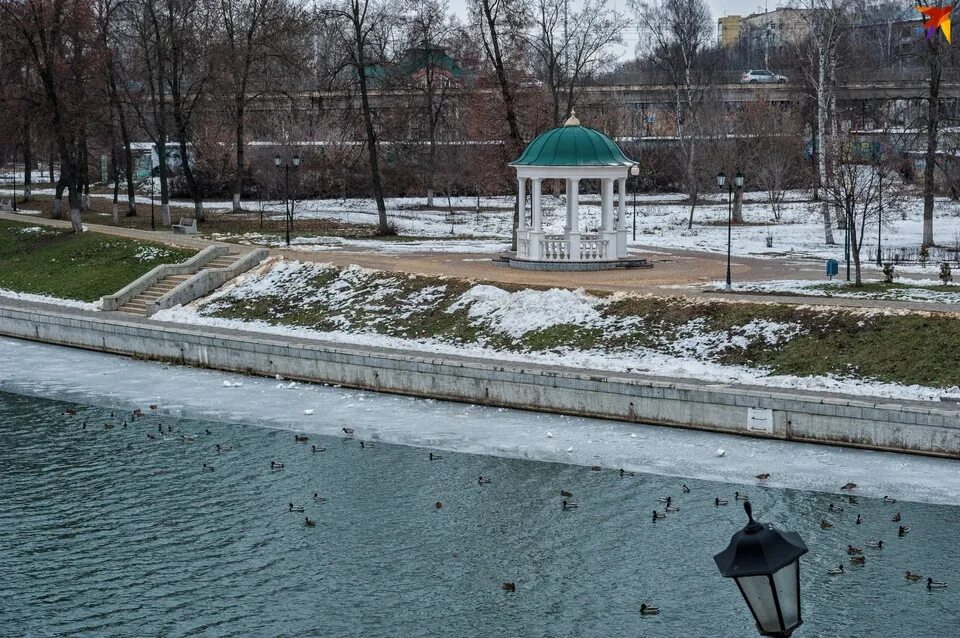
x: 186, y: 226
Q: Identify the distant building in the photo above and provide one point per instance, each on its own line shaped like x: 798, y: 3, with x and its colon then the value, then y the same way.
x: 772, y: 28
x: 414, y: 66
x: 728, y: 30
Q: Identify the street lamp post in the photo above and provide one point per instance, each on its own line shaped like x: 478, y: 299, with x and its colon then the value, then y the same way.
x: 15, y: 178
x: 635, y: 171
x: 765, y: 563
x: 738, y: 181
x: 287, y: 205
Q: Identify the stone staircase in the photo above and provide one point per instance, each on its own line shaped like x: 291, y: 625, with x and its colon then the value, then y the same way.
x: 138, y: 305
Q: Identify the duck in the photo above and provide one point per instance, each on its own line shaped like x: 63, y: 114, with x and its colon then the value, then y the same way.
x: 825, y: 524
x: 188, y: 437
x: 664, y: 499
x: 672, y: 508
x: 911, y: 576
x: 151, y: 437
x: 903, y: 530
x: 896, y: 518
x: 849, y: 486
x: 874, y: 544
x: 763, y: 477
x: 859, y: 520
x: 84, y: 425
x: 296, y: 508
x: 317, y: 498
x: 364, y: 444
x: 301, y: 438
x: 835, y: 508
x: 208, y: 432
x: 887, y: 499
x: 70, y: 411
x: 108, y: 426
x: 224, y: 447
x: 932, y: 584
x: 852, y: 499
x: 741, y: 497
x: 347, y: 431
x: 435, y: 457
x: 483, y: 481
x: 137, y: 413
x: 315, y: 449
x: 308, y: 523
x: 438, y: 505
x: 276, y: 466
x: 623, y: 473
x: 858, y: 560
x: 717, y: 502
x: 685, y: 489
x: 647, y: 610
x: 567, y: 505
x: 854, y: 550
x: 835, y: 570
x: 595, y: 468
x: 208, y: 468
x: 566, y: 493
x: 658, y: 515
x: 508, y: 586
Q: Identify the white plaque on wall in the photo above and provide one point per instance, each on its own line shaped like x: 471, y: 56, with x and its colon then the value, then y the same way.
x: 760, y: 420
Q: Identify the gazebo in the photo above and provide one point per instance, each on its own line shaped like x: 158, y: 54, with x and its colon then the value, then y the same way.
x: 573, y: 153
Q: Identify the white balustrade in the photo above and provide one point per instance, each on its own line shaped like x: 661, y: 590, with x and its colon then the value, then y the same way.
x: 554, y: 248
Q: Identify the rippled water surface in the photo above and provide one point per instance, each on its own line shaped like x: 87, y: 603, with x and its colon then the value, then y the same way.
x: 106, y: 532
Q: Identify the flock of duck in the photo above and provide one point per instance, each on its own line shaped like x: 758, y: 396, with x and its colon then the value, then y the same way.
x: 855, y: 554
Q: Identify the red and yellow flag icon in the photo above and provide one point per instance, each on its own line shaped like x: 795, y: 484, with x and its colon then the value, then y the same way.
x: 936, y: 18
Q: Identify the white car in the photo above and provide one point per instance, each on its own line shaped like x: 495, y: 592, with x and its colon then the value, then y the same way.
x: 762, y: 77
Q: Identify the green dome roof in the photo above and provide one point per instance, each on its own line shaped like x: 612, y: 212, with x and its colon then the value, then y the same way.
x: 572, y: 145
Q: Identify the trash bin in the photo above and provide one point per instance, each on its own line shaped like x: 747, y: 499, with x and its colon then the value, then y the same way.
x: 832, y: 268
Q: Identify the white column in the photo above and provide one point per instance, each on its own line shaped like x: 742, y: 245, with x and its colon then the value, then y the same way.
x: 622, y: 221
x: 537, y: 210
x: 522, y: 198
x: 536, y: 235
x: 573, y: 234
x: 606, y: 204
x: 567, y: 189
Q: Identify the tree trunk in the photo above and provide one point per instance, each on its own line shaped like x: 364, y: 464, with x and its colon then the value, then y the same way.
x: 383, y: 227
x: 737, y: 206
x: 115, y: 211
x: 495, y: 55
x: 58, y: 198
x: 855, y: 252
x: 933, y: 126
x: 125, y: 140
x: 27, y: 162
x: 239, y: 114
x: 821, y: 133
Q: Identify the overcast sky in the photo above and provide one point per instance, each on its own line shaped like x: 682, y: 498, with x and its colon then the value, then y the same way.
x: 718, y: 7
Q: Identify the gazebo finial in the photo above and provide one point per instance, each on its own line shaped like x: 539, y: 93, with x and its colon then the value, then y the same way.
x: 572, y: 120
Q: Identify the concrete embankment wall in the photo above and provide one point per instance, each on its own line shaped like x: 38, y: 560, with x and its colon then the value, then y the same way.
x: 932, y: 429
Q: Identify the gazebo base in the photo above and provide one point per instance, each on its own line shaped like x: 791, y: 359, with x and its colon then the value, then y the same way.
x: 510, y: 259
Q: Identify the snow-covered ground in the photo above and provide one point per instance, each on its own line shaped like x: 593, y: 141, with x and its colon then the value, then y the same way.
x: 396, y: 247
x: 112, y: 381
x: 689, y: 352
x: 26, y: 296
x: 917, y: 290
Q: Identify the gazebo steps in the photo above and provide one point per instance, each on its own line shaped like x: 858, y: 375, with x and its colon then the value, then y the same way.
x: 510, y: 259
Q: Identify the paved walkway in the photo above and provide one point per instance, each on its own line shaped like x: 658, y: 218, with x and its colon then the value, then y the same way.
x: 671, y: 268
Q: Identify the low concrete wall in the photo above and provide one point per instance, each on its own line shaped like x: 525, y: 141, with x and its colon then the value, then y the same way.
x: 206, y: 281
x: 885, y: 425
x: 188, y: 267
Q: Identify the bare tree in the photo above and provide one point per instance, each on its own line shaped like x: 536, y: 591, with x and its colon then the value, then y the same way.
x: 59, y: 42
x: 256, y: 35
x: 500, y: 24
x: 364, y: 26
x: 571, y: 48
x: 429, y: 28
x: 680, y: 32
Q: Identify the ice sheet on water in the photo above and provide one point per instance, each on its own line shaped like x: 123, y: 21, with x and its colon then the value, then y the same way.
x: 50, y: 371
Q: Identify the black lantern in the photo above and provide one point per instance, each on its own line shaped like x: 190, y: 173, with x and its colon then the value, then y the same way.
x: 721, y: 179
x: 277, y: 161
x: 765, y: 563
x: 296, y: 160
x: 739, y: 179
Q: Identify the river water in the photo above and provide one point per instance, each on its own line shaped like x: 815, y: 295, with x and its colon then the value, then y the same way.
x: 107, y: 532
